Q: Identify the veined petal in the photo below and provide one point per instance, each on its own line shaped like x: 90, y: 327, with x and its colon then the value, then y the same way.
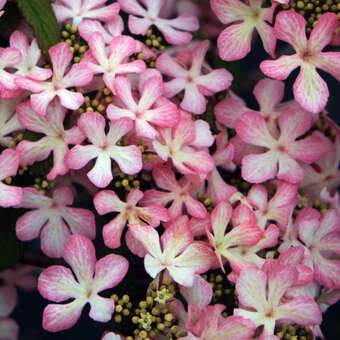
x: 289, y: 170
x: 235, y: 41
x: 61, y: 56
x: 220, y: 218
x: 129, y: 158
x: 229, y: 11
x: 268, y: 37
x: 101, y: 173
x: 310, y: 90
x: 112, y: 231
x: 93, y: 124
x: 280, y: 68
x: 107, y: 201
x: 101, y: 308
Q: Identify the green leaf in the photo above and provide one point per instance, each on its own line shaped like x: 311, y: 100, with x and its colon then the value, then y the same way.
x: 40, y: 16
x: 10, y: 246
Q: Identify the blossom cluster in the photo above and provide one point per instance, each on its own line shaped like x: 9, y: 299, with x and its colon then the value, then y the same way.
x: 130, y: 120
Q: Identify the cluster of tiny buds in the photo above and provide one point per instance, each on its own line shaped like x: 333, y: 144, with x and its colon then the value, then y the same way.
x: 122, y: 180
x: 294, y: 332
x: 154, y: 41
x: 313, y: 9
x: 155, y: 314
x: 98, y: 104
x: 78, y: 46
x: 208, y: 202
x: 16, y: 140
x: 322, y: 125
x: 223, y: 291
x: 123, y: 307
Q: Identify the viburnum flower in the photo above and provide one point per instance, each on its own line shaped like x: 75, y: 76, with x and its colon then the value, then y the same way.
x: 310, y: 90
x: 112, y: 61
x: 261, y: 293
x: 209, y: 324
x: 107, y: 201
x: 244, y: 233
x: 53, y: 220
x: 195, y: 83
x: 30, y: 54
x: 234, y: 42
x: 104, y: 148
x: 9, y: 329
x: 9, y: 163
x: 173, y: 30
x: 56, y: 138
x: 45, y: 91
x: 177, y: 252
x: 278, y: 208
x: 283, y: 152
x: 320, y: 233
x: 178, y: 193
x: 112, y: 336
x: 9, y: 121
x: 179, y: 145
x: 145, y: 113
x: 57, y: 284
x: 84, y: 9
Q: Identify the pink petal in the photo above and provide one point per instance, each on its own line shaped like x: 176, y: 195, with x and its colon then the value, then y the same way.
x: 252, y: 129
x: 228, y: 11
x: 269, y: 93
x: 28, y: 226
x: 101, y: 174
x: 60, y: 317
x: 80, y: 254
x: 101, y: 308
x: 41, y: 101
x: 193, y: 100
x: 70, y: 100
x: 57, y: 283
x: 79, y: 75
x: 118, y: 129
x: 290, y: 27
x: 329, y: 62
x: 215, y: 81
x: 112, y: 231
x: 268, y: 37
x: 235, y: 41
x: 9, y: 163
x: 80, y: 155
x: 107, y: 201
x: 220, y: 218
x: 92, y: 125
x: 109, y: 271
x: 322, y: 32
x: 167, y: 65
x: 61, y: 56
x: 129, y: 158
x: 280, y: 68
x: 259, y: 168
x: 290, y: 170
x: 10, y: 195
x: 310, y: 90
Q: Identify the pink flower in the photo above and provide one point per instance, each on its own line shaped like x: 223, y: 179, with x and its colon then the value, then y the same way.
x: 53, y: 220
x: 56, y: 138
x: 193, y: 81
x: 178, y: 253
x: 283, y: 152
x: 173, y: 30
x: 145, y: 114
x: 104, y: 148
x: 107, y: 201
x: 57, y: 284
x: 320, y: 233
x: 178, y: 193
x: 9, y: 329
x: 79, y: 75
x: 30, y: 54
x: 278, y: 208
x: 84, y: 9
x: 179, y: 145
x: 261, y: 295
x: 310, y: 90
x: 2, y: 5
x: 9, y: 164
x: 235, y: 41
x: 112, y: 61
x: 244, y: 233
x: 209, y: 324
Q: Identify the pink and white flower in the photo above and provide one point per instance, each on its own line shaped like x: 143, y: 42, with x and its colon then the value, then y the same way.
x: 45, y: 91
x: 234, y: 42
x: 177, y: 252
x: 107, y: 201
x: 178, y: 193
x: 310, y: 90
x: 56, y: 138
x: 173, y: 30
x: 261, y: 294
x: 9, y: 163
x: 112, y: 61
x: 195, y: 83
x: 10, y: 57
x: 280, y: 160
x: 53, y: 220
x: 149, y: 112
x: 79, y: 10
x: 104, y: 148
x: 57, y: 284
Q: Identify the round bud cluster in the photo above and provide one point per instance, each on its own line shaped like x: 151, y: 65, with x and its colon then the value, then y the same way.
x: 71, y: 36
x: 294, y: 332
x: 123, y: 307
x: 208, y: 202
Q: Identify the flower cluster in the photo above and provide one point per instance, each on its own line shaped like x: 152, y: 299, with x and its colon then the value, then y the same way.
x: 125, y: 140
